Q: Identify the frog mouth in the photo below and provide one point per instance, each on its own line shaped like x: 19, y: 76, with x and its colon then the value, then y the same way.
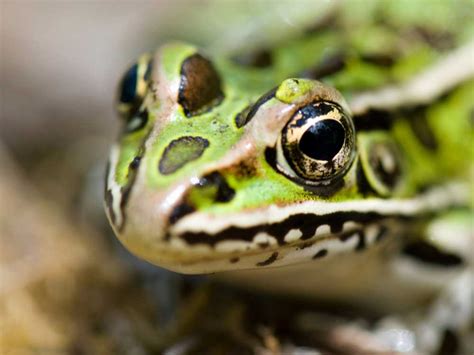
x: 297, y: 229
x: 265, y: 251
x: 285, y: 235
x: 309, y: 220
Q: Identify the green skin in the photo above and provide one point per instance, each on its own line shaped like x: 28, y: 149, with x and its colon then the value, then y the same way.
x: 255, y: 181
x: 424, y: 166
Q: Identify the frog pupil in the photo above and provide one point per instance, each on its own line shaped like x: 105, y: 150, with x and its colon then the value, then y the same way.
x: 323, y: 140
x: 129, y: 85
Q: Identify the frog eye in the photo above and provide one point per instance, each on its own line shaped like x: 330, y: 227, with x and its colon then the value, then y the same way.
x: 317, y: 144
x: 133, y: 86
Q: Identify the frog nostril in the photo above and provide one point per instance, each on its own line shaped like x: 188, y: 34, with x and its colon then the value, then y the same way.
x: 222, y: 192
x: 208, y: 190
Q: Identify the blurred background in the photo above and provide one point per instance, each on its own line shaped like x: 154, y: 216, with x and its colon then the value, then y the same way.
x: 66, y: 285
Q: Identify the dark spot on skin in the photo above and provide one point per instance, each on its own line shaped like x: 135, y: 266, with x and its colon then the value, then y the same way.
x: 179, y: 212
x: 336, y: 227
x: 127, y: 189
x: 106, y: 177
x: 385, y: 60
x: 382, y: 119
x: 254, y: 108
x: 328, y: 66
x: 450, y: 344
x: 374, y: 119
x: 136, y: 122
x: 125, y: 193
x: 263, y: 59
x: 241, y: 117
x: 305, y: 245
x: 382, y: 234
x: 376, y: 161
x: 263, y: 245
x: 128, y: 86
x: 234, y: 260
x: 269, y: 261
x: 148, y: 70
x: 329, y: 22
x: 362, y: 184
x: 130, y: 92
x: 347, y: 236
x: 359, y: 234
x: 320, y: 254
x: 244, y: 169
x: 427, y: 187
x: 258, y: 59
x: 430, y: 254
x: 200, y: 86
x: 135, y: 163
x: 383, y: 166
x: 361, y: 244
x: 420, y: 126
x: 438, y: 39
x: 323, y: 140
x: 131, y: 176
x: 180, y: 152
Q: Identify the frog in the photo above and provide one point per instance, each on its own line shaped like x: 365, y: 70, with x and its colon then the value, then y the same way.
x: 313, y: 168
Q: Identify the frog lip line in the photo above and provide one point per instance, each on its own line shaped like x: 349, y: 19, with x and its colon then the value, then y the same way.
x: 353, y: 237
x: 293, y: 237
x: 436, y: 199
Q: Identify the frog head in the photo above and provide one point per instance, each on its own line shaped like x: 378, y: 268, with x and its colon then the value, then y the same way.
x: 209, y: 176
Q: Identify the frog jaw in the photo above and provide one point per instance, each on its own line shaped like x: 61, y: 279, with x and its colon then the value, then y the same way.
x: 297, y: 232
